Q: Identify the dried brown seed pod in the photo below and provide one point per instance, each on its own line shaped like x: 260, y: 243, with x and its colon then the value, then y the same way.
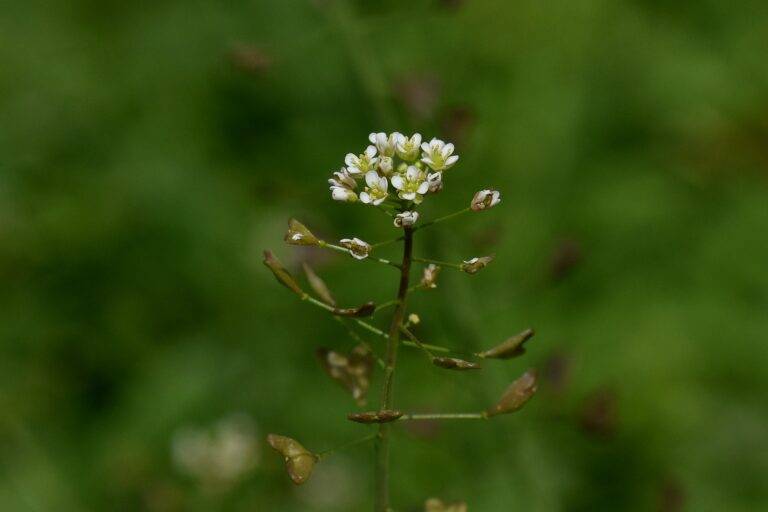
x: 454, y: 363
x: 516, y: 395
x: 513, y: 347
x: 375, y: 417
x: 352, y: 372
x: 281, y: 273
x: 298, y: 460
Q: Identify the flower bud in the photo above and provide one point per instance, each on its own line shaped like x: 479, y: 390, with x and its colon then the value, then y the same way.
x: 485, y: 200
x: 429, y: 280
x: 366, y: 309
x: 352, y: 372
x: 436, y: 505
x: 516, y: 395
x: 454, y: 363
x: 343, y: 179
x: 385, y: 165
x: 413, y: 319
x: 513, y: 347
x: 357, y: 248
x: 406, y: 219
x: 299, y: 461
x: 375, y: 417
x: 283, y: 276
x: 298, y: 234
x: 475, y: 265
x: 319, y: 286
x: 343, y: 194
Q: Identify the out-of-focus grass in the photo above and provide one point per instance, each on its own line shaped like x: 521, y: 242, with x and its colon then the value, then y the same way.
x: 149, y: 151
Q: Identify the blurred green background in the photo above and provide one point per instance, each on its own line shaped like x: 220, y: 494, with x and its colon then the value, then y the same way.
x: 149, y: 151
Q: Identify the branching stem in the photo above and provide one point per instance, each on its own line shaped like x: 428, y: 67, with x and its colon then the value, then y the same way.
x: 393, y: 340
x: 445, y: 416
x: 351, y: 444
x: 457, y: 266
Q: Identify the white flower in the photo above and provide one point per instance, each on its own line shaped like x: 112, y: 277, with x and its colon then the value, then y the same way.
x: 408, y: 149
x: 406, y: 219
x: 342, y: 178
x: 376, y: 191
x: 412, y: 185
x: 435, y: 180
x: 431, y: 272
x: 485, y: 200
x: 385, y: 144
x: 343, y: 194
x: 438, y: 155
x: 362, y: 163
x: 385, y: 165
x: 357, y: 248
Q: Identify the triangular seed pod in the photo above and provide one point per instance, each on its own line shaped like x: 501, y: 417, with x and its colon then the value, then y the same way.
x: 281, y: 273
x: 516, y: 395
x: 454, y: 363
x: 352, y: 372
x: 513, y: 347
x: 299, y: 234
x: 319, y: 286
x: 298, y: 460
x: 475, y: 265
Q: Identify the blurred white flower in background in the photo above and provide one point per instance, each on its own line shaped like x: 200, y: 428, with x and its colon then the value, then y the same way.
x: 218, y: 456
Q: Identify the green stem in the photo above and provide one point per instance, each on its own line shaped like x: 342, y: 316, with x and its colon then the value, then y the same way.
x: 351, y: 444
x: 418, y: 343
x: 440, y: 263
x: 443, y: 218
x: 323, y: 243
x: 369, y: 327
x: 393, y: 339
x: 422, y: 226
x: 445, y: 416
x: 361, y: 341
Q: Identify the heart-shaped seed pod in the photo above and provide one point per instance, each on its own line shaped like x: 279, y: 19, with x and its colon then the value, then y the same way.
x: 352, y: 372
x: 516, y: 395
x: 298, y: 460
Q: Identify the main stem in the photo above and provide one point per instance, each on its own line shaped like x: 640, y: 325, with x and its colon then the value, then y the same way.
x: 393, y: 340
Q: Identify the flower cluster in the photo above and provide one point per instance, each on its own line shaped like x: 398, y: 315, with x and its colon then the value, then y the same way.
x: 394, y: 167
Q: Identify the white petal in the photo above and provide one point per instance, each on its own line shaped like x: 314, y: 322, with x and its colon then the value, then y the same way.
x: 365, y: 197
x: 423, y: 188
x: 372, y: 178
x: 452, y: 160
x: 397, y: 182
x: 407, y: 195
x: 425, y: 147
x: 416, y: 139
x: 370, y: 151
x: 447, y: 150
x: 350, y: 159
x: 383, y: 185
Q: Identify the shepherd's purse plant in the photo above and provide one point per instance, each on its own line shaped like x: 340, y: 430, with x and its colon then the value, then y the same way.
x: 394, y: 174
